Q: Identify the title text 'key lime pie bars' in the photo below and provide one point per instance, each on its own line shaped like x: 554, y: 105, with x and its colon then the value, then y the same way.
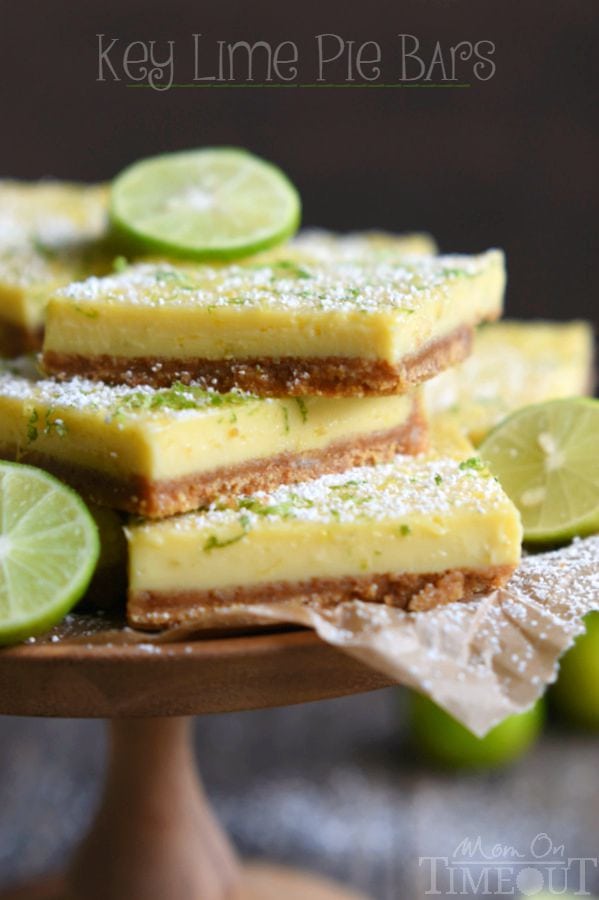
x: 50, y: 234
x: 414, y: 533
x: 158, y: 452
x: 277, y: 328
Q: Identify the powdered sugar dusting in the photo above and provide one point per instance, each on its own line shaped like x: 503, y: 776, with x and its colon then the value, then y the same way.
x: 350, y: 286
x: 47, y: 231
x: 483, y: 660
x: 323, y: 246
x: 405, y: 487
x: 20, y: 380
x: 513, y: 364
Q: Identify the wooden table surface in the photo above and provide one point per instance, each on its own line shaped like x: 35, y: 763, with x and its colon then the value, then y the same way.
x: 331, y: 786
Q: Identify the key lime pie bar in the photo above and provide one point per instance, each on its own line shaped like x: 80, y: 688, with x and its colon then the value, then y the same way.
x: 48, y: 232
x: 413, y: 533
x: 512, y: 365
x: 278, y: 329
x: 318, y: 245
x: 158, y: 452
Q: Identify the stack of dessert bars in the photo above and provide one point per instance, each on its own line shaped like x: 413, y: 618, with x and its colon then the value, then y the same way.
x: 261, y: 423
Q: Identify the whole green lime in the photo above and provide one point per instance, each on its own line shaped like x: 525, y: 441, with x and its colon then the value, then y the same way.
x: 575, y: 695
x: 446, y: 742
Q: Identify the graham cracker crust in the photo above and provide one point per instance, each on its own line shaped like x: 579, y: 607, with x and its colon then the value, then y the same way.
x: 16, y: 340
x: 330, y: 376
x: 154, y: 610
x: 158, y: 499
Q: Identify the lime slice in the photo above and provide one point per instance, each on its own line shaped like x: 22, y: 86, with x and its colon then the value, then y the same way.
x: 216, y: 203
x: 546, y: 458
x: 48, y: 550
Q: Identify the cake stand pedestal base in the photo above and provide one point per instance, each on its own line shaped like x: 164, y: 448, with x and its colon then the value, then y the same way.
x: 156, y: 838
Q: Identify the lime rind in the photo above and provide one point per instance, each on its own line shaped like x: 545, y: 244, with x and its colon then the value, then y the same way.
x: 49, y: 547
x: 546, y: 457
x: 164, y: 205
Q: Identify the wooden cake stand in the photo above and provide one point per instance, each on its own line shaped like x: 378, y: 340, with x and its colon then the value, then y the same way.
x: 155, y: 836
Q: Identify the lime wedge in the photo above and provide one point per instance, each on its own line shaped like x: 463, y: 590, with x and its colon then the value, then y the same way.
x: 546, y: 458
x: 216, y: 203
x: 48, y: 550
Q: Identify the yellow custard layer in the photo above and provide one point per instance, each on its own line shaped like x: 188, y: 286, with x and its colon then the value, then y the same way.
x: 174, y: 432
x: 513, y: 364
x: 367, y: 309
x: 51, y: 234
x: 423, y: 514
x: 48, y: 235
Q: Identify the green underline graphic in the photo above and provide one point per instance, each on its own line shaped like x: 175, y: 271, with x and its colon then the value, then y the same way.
x: 296, y: 85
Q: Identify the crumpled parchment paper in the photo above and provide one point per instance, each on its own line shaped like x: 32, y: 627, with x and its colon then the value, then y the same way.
x: 481, y: 661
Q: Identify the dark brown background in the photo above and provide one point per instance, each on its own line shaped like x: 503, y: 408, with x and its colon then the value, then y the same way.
x: 510, y: 162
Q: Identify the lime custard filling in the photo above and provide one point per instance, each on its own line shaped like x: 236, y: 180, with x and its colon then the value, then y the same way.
x: 415, y: 515
x: 49, y: 234
x: 173, y: 432
x: 368, y: 310
x: 512, y: 365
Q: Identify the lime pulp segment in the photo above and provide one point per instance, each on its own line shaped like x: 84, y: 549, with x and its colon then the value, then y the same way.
x: 546, y: 458
x: 214, y: 203
x: 49, y: 547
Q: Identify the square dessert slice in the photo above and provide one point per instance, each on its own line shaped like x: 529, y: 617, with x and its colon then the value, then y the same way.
x: 413, y: 533
x: 284, y: 328
x: 513, y: 364
x: 48, y: 235
x: 158, y: 452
